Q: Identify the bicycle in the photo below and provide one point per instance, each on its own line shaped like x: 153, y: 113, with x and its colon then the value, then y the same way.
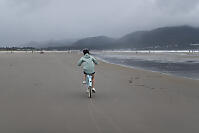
x: 89, y: 84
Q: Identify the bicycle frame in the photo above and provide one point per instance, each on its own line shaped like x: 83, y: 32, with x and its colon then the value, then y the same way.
x: 89, y: 80
x: 89, y: 84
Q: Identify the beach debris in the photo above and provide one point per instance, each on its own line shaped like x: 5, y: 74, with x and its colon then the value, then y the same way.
x: 131, y: 80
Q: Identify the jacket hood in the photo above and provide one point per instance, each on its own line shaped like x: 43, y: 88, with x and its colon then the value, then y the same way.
x: 86, y: 56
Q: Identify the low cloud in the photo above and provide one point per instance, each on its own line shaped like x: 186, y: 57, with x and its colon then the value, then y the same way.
x: 178, y: 6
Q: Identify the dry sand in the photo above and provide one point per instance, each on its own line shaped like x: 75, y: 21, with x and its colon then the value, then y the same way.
x: 42, y: 93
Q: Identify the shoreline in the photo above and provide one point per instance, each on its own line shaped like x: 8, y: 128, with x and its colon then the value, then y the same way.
x: 126, y: 66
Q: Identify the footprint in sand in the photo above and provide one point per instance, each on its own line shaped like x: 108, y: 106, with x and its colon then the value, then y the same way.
x: 139, y: 85
x: 11, y: 65
x: 37, y: 84
x: 162, y: 88
x: 137, y: 77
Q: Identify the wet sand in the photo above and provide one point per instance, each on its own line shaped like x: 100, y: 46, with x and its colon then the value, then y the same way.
x: 42, y: 93
x: 177, y: 64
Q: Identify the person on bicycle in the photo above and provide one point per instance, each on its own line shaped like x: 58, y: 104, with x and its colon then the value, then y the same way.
x: 88, y: 63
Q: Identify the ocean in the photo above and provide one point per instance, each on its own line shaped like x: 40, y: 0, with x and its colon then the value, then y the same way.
x: 178, y: 63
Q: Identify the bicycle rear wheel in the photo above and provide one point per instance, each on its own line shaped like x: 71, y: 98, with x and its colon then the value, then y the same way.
x: 90, y: 92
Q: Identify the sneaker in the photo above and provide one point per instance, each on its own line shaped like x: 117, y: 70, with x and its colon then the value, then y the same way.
x: 84, y: 82
x: 93, y: 90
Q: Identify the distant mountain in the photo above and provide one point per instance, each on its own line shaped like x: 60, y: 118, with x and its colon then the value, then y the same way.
x: 99, y: 42
x: 162, y: 38
x: 179, y: 37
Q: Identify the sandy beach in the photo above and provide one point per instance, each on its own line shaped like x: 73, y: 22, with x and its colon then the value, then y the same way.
x: 43, y: 93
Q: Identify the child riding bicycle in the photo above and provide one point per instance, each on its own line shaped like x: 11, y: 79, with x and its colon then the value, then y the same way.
x: 88, y: 63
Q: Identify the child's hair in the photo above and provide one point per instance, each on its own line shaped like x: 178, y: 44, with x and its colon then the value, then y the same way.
x: 86, y: 51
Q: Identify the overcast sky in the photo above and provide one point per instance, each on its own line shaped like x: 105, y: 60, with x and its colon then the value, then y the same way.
x: 40, y: 20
